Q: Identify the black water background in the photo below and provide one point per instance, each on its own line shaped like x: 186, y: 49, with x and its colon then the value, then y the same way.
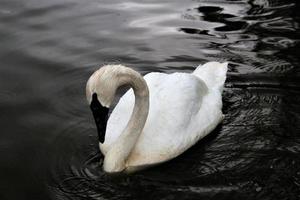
x: 48, y: 144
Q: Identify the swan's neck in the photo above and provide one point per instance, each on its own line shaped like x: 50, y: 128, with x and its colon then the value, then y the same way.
x: 115, y: 158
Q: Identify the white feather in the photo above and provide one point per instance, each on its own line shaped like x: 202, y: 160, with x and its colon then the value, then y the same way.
x: 184, y: 107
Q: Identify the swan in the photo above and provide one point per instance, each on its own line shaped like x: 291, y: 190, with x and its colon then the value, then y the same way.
x: 160, y: 117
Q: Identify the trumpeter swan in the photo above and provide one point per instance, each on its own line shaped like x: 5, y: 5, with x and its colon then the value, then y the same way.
x: 160, y: 117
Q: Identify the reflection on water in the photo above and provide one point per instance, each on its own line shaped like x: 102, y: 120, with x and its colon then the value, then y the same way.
x: 48, y: 143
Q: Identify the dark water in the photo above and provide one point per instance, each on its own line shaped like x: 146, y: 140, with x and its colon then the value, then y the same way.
x: 48, y: 144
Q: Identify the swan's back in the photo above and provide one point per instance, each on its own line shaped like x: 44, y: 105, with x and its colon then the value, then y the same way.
x: 183, y: 108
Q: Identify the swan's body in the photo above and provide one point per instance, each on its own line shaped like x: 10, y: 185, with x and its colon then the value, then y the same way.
x: 183, y: 108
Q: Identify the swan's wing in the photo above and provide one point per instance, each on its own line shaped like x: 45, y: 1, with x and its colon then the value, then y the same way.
x: 171, y: 127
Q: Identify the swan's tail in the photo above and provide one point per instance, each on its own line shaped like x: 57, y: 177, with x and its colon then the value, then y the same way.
x: 213, y: 74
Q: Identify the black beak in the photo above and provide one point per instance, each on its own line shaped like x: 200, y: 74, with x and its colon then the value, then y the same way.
x: 100, y: 114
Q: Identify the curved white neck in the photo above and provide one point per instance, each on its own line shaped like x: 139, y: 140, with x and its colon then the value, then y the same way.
x: 115, y: 158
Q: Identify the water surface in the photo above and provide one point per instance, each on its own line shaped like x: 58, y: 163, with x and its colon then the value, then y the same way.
x: 48, y: 142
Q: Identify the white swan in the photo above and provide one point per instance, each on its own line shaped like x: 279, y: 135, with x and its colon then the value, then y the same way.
x: 159, y: 118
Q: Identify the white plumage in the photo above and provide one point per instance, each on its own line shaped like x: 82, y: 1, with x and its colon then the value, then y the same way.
x: 183, y: 108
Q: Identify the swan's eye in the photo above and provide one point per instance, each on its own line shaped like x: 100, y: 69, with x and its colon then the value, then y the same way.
x: 100, y: 114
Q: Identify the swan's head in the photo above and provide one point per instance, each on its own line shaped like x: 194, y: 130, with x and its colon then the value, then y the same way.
x: 100, y: 92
